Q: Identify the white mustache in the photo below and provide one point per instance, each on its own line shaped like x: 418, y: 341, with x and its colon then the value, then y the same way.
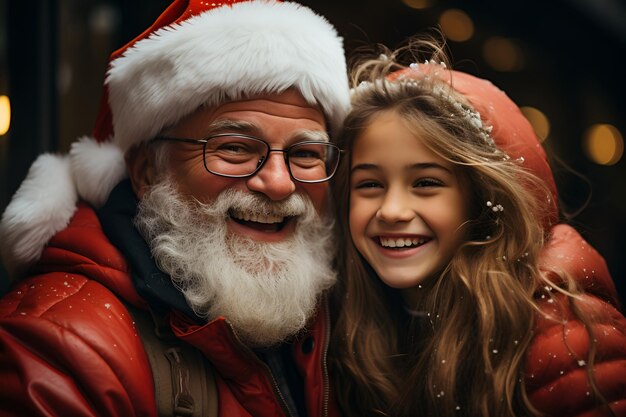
x: 236, y: 201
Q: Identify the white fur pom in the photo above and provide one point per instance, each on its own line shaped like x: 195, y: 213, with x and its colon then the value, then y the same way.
x: 41, y: 207
x: 97, y: 169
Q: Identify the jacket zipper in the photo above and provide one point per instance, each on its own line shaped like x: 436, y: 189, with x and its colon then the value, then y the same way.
x: 326, y: 387
x: 268, y: 372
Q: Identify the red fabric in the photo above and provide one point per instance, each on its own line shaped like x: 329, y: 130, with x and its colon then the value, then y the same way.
x: 512, y: 133
x: 245, y: 383
x: 68, y: 346
x: 557, y: 359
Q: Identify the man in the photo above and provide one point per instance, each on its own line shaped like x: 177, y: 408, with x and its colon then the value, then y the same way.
x: 203, y: 199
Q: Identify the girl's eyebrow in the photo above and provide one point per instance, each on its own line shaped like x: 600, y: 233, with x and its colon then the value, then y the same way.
x: 364, y: 167
x: 430, y: 165
x: 420, y: 165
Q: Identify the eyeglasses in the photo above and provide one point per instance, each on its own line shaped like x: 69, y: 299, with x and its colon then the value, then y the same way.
x: 240, y: 156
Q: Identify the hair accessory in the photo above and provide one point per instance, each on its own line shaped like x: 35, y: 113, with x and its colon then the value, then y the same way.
x: 415, y: 77
x: 495, y: 208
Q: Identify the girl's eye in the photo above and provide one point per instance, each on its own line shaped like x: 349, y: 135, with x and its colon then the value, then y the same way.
x: 367, y: 184
x: 428, y: 182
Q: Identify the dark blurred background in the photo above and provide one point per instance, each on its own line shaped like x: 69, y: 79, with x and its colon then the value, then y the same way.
x: 560, y: 60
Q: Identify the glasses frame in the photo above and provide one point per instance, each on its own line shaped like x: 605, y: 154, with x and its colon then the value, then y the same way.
x: 260, y: 165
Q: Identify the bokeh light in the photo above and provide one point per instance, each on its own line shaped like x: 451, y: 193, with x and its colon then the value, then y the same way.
x: 5, y: 115
x: 456, y: 25
x: 603, y: 144
x: 503, y: 54
x: 419, y: 4
x: 538, y: 120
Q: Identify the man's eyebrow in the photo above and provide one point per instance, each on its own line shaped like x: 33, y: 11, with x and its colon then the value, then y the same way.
x: 311, y: 135
x: 237, y: 126
x: 241, y: 126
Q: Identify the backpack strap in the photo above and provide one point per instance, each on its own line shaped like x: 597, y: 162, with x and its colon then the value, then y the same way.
x: 184, y: 383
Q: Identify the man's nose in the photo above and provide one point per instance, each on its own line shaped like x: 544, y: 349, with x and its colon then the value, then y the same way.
x: 273, y: 179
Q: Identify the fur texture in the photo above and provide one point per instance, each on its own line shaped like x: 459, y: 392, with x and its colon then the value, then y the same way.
x: 42, y: 206
x: 226, y: 53
x: 96, y: 169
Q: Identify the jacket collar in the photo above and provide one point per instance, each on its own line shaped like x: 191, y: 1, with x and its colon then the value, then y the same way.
x: 116, y: 217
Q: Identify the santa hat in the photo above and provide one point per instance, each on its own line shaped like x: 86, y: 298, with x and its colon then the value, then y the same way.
x: 200, y: 52
x: 196, y: 53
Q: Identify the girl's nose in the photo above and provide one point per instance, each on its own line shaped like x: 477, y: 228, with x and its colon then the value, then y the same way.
x: 396, y: 207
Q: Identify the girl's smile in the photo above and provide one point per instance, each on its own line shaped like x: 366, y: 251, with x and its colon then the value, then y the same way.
x: 400, y: 248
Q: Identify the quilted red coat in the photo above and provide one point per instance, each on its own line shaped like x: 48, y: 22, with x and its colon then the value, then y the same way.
x: 556, y: 362
x: 68, y: 346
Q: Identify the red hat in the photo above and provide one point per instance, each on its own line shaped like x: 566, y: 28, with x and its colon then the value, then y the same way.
x: 205, y: 53
x: 511, y: 132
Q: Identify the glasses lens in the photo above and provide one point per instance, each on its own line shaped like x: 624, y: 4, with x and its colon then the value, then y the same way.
x: 233, y: 155
x: 313, y: 161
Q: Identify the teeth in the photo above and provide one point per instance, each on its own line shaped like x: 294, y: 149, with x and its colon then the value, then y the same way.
x: 401, y: 242
x: 258, y: 218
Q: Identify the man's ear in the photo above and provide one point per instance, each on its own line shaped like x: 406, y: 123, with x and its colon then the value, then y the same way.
x: 141, y: 170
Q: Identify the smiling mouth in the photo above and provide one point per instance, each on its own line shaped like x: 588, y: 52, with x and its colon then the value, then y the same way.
x: 262, y: 222
x: 402, y: 242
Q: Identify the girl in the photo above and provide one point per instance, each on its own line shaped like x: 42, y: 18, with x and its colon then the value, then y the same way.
x: 461, y: 295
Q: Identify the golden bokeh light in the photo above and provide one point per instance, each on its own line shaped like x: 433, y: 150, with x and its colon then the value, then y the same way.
x: 5, y: 114
x: 538, y: 120
x: 419, y: 4
x: 604, y: 144
x: 456, y: 25
x: 503, y: 54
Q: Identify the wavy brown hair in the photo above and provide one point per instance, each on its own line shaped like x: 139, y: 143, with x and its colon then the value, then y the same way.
x: 460, y: 350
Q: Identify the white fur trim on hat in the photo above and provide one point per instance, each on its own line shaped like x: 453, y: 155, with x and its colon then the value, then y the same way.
x: 41, y: 207
x: 222, y: 54
x: 97, y: 168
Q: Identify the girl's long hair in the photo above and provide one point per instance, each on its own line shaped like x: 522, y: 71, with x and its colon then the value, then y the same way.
x: 461, y: 349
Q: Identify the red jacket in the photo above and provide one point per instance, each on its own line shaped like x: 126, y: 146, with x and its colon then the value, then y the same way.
x: 68, y: 346
x: 556, y: 361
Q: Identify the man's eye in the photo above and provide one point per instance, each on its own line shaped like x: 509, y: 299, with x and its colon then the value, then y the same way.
x: 234, y: 148
x: 305, y: 153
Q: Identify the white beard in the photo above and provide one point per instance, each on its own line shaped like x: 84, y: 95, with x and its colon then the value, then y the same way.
x: 266, y: 290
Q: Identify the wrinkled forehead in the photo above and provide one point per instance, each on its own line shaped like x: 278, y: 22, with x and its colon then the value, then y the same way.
x: 275, y: 114
x: 289, y: 103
